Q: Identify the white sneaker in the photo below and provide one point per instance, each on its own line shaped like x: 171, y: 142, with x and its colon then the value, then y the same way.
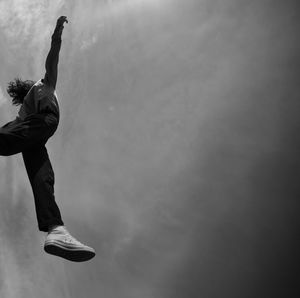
x: 61, y: 243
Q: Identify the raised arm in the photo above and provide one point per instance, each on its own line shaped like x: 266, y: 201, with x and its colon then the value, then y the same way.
x: 53, y: 55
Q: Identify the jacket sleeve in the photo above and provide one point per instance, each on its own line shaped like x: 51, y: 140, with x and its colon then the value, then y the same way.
x: 52, y: 59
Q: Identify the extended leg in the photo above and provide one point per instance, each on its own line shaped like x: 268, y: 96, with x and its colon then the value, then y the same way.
x: 41, y: 177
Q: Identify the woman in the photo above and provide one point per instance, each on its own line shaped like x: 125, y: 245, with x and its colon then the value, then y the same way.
x: 36, y: 122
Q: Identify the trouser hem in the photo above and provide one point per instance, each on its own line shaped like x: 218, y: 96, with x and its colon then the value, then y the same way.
x: 44, y: 227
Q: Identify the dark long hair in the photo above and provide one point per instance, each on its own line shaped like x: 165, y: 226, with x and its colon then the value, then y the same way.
x: 18, y: 89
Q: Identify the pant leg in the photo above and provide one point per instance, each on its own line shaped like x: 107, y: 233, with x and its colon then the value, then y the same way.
x: 41, y: 177
x: 29, y: 136
x: 19, y: 135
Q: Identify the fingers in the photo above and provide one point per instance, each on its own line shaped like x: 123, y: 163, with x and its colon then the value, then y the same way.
x: 61, y: 20
x: 65, y: 19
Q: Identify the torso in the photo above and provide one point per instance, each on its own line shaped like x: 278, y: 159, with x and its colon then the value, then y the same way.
x: 41, y: 98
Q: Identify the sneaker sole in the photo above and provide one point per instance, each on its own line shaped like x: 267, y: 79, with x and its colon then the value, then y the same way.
x: 71, y: 254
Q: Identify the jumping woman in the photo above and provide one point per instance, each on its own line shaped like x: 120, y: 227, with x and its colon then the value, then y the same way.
x: 36, y: 122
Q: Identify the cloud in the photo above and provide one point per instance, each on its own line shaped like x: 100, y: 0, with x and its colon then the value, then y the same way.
x: 9, y: 272
x: 90, y: 18
x: 22, y: 19
x: 27, y: 25
x: 89, y: 42
x: 3, y: 99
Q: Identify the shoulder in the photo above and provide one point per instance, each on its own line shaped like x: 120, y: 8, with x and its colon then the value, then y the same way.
x: 45, y: 87
x: 46, y: 84
x: 38, y: 83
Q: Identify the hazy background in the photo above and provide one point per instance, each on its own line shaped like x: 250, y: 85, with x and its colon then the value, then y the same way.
x: 177, y: 155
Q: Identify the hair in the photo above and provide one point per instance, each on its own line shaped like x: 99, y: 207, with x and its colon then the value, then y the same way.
x: 18, y: 89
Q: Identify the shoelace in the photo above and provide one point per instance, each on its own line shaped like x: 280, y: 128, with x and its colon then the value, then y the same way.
x: 70, y: 239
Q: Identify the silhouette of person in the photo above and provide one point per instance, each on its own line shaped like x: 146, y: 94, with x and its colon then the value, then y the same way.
x: 36, y: 122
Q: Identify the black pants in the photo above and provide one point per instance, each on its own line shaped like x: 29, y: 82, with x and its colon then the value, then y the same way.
x: 29, y: 137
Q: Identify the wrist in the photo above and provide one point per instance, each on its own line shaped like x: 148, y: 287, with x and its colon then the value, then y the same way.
x: 57, y: 32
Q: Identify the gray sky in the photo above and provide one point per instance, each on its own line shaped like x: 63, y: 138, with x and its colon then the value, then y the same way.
x: 177, y: 154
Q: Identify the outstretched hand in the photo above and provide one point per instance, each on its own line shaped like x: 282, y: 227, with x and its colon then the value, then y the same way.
x: 60, y: 24
x: 61, y: 20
